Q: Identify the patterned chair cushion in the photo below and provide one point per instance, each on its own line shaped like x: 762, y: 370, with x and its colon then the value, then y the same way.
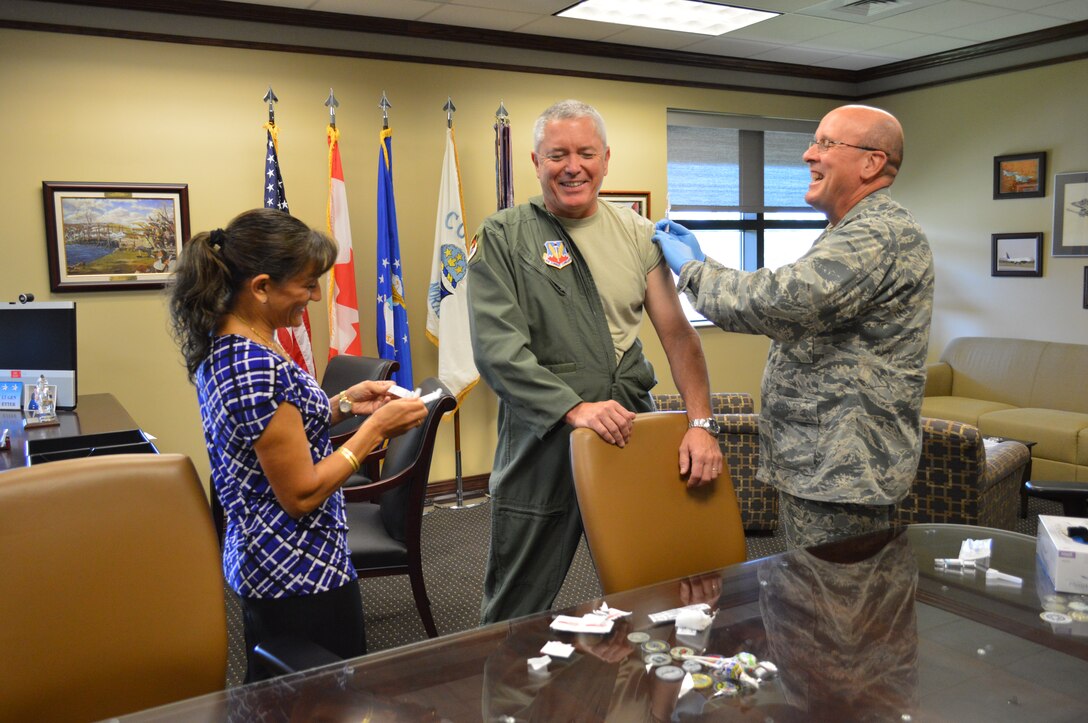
x: 961, y: 481
x: 735, y: 412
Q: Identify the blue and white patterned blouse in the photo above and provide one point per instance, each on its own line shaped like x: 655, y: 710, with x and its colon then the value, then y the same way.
x: 267, y: 553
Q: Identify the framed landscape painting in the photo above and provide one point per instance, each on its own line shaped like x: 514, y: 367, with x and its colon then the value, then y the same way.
x: 113, y: 236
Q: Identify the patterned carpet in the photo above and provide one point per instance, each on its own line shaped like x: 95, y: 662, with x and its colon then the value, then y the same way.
x: 454, y: 553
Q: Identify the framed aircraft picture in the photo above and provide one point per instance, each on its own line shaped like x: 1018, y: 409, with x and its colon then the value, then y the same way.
x: 1070, y: 214
x: 1020, y: 176
x: 1017, y: 254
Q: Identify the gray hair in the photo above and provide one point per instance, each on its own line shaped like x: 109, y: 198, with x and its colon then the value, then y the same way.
x: 568, y: 110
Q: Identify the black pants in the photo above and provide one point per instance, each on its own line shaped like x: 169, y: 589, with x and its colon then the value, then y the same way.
x: 332, y: 619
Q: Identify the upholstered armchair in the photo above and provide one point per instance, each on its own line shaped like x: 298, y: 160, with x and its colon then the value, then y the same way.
x: 739, y: 440
x: 960, y: 478
x: 963, y: 480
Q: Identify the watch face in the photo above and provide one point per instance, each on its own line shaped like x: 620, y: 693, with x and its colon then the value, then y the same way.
x: 345, y: 405
x: 710, y: 425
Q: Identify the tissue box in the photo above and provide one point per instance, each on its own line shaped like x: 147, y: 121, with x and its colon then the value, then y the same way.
x: 1064, y: 560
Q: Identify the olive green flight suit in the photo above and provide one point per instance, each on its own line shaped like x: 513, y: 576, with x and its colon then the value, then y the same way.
x: 542, y: 343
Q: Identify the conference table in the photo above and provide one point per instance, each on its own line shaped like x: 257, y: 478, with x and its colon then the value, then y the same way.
x: 863, y: 629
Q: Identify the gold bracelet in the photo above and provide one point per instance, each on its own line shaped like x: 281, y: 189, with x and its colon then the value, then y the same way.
x: 350, y: 457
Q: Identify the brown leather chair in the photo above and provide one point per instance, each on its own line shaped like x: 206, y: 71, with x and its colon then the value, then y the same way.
x: 642, y: 523
x: 113, y: 589
x: 385, y: 518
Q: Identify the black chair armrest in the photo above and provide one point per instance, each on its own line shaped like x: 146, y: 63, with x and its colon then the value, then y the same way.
x: 1072, y: 495
x: 286, y: 654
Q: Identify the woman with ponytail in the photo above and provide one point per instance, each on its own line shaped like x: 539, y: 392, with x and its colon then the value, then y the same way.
x: 266, y: 424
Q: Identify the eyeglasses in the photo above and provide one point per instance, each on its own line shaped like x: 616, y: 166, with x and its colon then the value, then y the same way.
x: 562, y: 157
x: 825, y: 145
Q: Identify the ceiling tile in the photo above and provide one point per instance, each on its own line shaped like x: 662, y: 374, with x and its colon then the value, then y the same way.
x: 727, y: 46
x: 536, y: 7
x: 1020, y: 5
x: 486, y: 18
x: 855, y: 62
x: 789, y: 29
x: 1068, y: 10
x: 397, y: 9
x: 571, y: 28
x: 860, y: 37
x: 922, y: 45
x: 1004, y: 27
x: 666, y: 39
x: 775, y: 6
x: 937, y: 18
x: 798, y: 55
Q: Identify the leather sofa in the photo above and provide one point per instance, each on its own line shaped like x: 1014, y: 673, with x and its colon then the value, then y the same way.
x: 1019, y: 389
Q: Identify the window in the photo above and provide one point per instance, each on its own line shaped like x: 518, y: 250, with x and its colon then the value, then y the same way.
x: 739, y: 184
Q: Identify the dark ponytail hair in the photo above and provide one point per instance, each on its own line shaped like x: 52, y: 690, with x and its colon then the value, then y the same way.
x: 214, y: 265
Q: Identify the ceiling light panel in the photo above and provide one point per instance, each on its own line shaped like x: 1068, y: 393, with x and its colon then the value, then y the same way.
x: 687, y: 16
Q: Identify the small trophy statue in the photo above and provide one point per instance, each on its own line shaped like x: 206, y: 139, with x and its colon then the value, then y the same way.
x: 42, y: 408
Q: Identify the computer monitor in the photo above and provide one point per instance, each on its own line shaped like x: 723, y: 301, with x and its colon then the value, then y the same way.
x: 40, y: 338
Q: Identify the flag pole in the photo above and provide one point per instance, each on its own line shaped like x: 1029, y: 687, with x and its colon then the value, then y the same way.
x: 459, y: 502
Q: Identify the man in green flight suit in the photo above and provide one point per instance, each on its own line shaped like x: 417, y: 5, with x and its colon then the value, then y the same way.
x: 557, y: 290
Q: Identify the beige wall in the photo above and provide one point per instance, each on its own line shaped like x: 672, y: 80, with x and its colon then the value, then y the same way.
x: 953, y: 133
x: 95, y: 109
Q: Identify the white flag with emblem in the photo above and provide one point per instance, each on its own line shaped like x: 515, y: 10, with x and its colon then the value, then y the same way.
x: 447, y: 307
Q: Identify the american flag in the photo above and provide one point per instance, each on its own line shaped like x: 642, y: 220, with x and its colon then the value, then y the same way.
x: 296, y: 340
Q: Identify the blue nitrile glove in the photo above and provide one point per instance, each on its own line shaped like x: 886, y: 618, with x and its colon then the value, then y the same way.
x: 678, y: 244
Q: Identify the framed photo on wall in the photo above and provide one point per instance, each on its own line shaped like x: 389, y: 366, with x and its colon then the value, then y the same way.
x: 1016, y: 254
x: 637, y: 201
x: 113, y: 236
x: 1071, y: 214
x: 1020, y: 176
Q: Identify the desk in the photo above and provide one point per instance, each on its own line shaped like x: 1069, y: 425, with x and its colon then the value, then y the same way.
x: 94, y: 414
x: 867, y: 629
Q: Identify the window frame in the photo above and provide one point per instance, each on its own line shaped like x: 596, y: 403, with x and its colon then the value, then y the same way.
x: 753, y: 223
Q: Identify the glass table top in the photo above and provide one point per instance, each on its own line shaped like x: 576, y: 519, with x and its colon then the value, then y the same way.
x: 863, y: 629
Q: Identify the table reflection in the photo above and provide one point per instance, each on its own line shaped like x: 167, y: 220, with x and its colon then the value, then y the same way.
x: 841, y: 626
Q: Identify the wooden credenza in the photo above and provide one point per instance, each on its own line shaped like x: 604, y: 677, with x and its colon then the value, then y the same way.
x: 98, y: 425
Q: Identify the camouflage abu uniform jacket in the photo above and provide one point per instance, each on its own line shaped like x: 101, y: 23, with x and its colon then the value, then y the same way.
x: 849, y: 328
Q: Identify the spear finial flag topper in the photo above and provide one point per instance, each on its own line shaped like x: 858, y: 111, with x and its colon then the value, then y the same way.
x: 501, y: 113
x: 332, y: 104
x: 271, y: 99
x: 385, y: 105
x: 450, y: 109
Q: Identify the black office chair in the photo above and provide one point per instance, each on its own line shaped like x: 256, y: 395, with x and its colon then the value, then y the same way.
x: 344, y: 371
x: 385, y: 518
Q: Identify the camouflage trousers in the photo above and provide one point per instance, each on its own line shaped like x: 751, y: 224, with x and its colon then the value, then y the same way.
x: 814, y: 522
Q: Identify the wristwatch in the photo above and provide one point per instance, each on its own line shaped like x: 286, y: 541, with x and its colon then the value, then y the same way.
x: 708, y: 423
x: 344, y: 403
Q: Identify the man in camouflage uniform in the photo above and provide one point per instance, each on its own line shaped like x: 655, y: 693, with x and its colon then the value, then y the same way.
x: 840, y: 423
